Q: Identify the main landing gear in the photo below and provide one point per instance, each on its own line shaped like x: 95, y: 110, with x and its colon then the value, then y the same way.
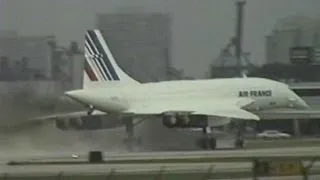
x: 207, y: 141
x: 239, y: 142
x: 131, y: 141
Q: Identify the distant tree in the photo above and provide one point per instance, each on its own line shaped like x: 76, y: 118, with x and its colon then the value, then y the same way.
x: 24, y: 63
x: 4, y: 62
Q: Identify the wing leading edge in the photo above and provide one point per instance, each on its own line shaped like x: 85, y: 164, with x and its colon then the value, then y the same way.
x: 230, y: 108
x: 67, y: 115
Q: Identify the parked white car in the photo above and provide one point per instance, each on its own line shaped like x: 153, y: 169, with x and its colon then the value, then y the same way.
x: 273, y: 134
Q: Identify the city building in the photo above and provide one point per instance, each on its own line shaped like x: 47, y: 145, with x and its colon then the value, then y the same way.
x: 140, y: 42
x: 25, y: 57
x: 38, y: 64
x: 293, y: 32
x: 292, y: 56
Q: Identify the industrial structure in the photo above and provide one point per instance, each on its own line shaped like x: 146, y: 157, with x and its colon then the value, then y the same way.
x: 232, y: 60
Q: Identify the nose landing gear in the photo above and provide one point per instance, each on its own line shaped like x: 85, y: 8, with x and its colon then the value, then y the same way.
x: 90, y: 110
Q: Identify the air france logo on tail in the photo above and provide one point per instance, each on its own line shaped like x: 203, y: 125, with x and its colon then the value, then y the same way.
x: 97, y: 65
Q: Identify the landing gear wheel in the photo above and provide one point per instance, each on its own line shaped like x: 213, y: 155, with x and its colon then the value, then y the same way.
x: 132, y: 143
x: 213, y: 143
x: 239, y: 143
x: 208, y: 143
x: 203, y: 143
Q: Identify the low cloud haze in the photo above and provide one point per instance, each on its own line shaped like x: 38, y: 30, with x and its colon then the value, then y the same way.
x: 200, y: 28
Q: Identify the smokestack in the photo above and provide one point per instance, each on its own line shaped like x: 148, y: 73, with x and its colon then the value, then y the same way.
x: 239, y: 28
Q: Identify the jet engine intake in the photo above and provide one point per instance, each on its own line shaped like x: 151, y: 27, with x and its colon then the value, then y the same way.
x: 193, y: 121
x: 169, y: 121
x: 183, y: 121
x: 62, y: 123
x: 75, y: 123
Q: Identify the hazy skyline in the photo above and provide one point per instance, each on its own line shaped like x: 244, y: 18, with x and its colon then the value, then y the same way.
x: 200, y: 27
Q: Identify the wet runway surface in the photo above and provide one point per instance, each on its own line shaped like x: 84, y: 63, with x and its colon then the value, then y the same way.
x: 106, y: 168
x: 49, y: 144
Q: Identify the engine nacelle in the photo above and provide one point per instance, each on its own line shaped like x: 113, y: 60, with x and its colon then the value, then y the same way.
x: 88, y: 123
x: 193, y: 121
x: 169, y: 121
x: 69, y: 123
x: 75, y: 123
x: 62, y: 123
x: 183, y: 121
x: 218, y: 122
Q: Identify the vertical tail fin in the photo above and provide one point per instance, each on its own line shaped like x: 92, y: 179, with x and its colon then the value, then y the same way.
x: 100, y: 64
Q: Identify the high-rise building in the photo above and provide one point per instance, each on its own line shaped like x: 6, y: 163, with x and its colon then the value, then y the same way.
x: 140, y: 42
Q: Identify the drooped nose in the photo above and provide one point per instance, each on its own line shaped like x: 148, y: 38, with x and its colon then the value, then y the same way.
x: 297, y: 102
x: 78, y: 95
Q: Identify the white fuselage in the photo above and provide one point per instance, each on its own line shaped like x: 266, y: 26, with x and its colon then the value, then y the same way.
x: 267, y: 94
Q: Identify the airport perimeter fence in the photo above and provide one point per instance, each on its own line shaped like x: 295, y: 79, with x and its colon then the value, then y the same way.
x: 161, y: 174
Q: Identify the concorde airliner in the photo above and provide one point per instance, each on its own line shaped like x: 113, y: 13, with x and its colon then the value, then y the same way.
x: 181, y: 103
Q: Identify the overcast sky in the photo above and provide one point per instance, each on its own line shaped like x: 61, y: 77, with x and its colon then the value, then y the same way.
x: 200, y: 27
